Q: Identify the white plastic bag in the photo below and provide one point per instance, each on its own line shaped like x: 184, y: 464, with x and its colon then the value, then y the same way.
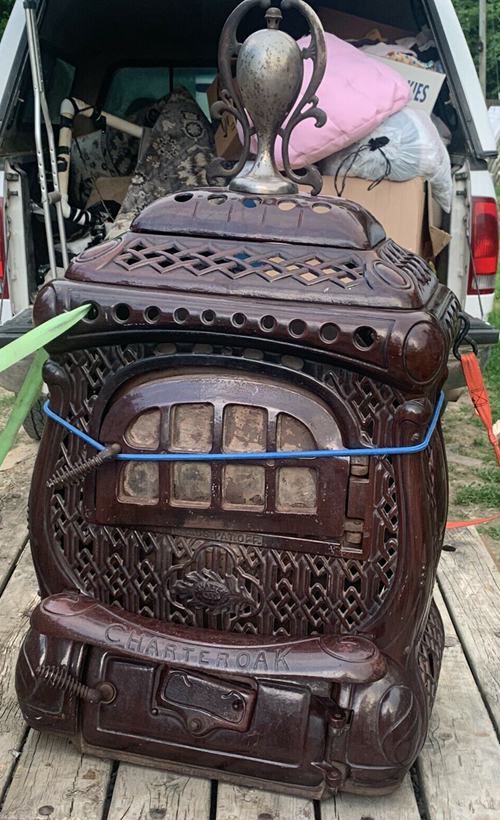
x: 405, y: 146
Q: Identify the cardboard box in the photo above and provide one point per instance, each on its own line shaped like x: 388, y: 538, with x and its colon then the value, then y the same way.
x: 406, y: 211
x: 113, y: 188
x: 437, y: 238
x: 399, y: 206
x: 425, y: 84
x: 227, y: 142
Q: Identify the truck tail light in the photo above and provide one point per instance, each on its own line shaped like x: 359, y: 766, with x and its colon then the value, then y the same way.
x: 4, y: 285
x: 484, y: 246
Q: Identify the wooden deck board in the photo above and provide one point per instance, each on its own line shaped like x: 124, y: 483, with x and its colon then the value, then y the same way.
x: 52, y: 779
x: 458, y: 767
x: 242, y: 803
x: 15, y: 604
x: 460, y: 763
x: 401, y: 805
x: 13, y: 537
x: 15, y: 478
x: 142, y: 793
x: 470, y: 583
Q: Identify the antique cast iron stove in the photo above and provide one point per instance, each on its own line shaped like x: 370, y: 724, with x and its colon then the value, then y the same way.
x: 218, y: 599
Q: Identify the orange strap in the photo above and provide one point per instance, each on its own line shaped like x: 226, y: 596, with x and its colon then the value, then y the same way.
x: 479, y: 396
x: 473, y: 522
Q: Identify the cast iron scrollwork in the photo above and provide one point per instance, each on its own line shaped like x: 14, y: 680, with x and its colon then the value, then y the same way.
x: 265, y: 91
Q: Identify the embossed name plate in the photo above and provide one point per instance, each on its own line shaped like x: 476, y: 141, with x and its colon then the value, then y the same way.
x: 70, y: 616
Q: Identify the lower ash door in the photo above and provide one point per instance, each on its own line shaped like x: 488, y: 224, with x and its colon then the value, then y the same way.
x: 268, y: 730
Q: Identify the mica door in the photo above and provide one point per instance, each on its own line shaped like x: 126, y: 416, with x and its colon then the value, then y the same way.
x: 222, y: 412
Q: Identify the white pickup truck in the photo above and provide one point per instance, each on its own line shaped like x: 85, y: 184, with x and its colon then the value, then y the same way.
x: 119, y: 54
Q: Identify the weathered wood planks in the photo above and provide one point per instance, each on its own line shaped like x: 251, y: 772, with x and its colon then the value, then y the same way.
x: 14, y: 486
x: 52, y: 779
x: 241, y: 803
x: 401, y: 805
x: 15, y: 604
x: 470, y: 583
x: 142, y: 793
x: 13, y: 537
x: 460, y: 764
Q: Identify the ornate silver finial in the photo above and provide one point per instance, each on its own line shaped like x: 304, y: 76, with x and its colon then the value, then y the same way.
x: 269, y: 76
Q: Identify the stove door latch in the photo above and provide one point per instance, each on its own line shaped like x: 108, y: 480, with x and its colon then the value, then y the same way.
x: 205, y: 703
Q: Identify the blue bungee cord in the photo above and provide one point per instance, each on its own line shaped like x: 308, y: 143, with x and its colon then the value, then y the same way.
x: 265, y: 456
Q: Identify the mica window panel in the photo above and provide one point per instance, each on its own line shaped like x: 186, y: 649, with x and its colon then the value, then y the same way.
x: 143, y: 433
x: 191, y: 428
x: 292, y: 434
x: 245, y: 429
x: 139, y: 482
x: 191, y: 484
x: 296, y: 490
x: 244, y: 487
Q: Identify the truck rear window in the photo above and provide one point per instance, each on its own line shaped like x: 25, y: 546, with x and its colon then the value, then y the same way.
x: 133, y: 87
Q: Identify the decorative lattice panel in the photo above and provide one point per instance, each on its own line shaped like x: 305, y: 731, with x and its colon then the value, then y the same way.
x: 278, y: 592
x: 407, y: 261
x: 430, y: 653
x: 229, y: 261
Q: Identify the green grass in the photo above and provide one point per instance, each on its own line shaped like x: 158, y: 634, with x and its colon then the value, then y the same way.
x: 6, y: 403
x: 492, y: 531
x: 484, y: 491
x: 492, y: 372
x: 476, y: 492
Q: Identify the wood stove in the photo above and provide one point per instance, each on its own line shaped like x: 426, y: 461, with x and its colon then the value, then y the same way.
x: 240, y: 497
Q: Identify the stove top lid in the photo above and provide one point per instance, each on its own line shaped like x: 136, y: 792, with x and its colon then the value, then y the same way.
x: 296, y: 219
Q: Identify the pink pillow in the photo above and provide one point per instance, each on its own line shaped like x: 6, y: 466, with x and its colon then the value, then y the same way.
x: 357, y: 93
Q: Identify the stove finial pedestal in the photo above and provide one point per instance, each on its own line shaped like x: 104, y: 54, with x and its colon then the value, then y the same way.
x: 266, y: 92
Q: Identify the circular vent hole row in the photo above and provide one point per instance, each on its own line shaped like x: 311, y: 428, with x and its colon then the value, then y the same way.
x: 208, y: 317
x: 181, y: 315
x: 122, y: 313
x: 238, y: 319
x: 297, y: 327
x: 253, y: 202
x: 364, y: 337
x: 183, y: 197
x: 268, y: 323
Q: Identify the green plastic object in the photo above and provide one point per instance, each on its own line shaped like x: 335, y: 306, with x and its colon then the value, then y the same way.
x: 40, y: 336
x: 32, y: 342
x: 28, y: 394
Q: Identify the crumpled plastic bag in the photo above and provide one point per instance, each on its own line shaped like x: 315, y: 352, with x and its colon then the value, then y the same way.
x: 405, y: 146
